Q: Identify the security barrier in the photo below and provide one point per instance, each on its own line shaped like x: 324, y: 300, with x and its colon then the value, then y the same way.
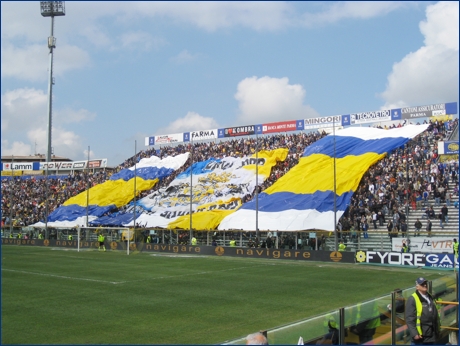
x: 382, y: 313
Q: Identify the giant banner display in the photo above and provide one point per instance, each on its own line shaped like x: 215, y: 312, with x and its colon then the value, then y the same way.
x: 303, y: 198
x: 115, y: 192
x: 216, y: 186
x: 424, y: 244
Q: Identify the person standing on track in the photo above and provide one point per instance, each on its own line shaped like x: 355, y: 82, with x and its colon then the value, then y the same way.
x: 101, y: 240
x: 422, y: 315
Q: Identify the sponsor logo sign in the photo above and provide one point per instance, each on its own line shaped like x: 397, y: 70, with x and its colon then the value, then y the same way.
x: 76, y: 165
x: 322, y: 256
x: 21, y: 166
x: 433, y: 260
x: 396, y: 114
x: 451, y: 147
x: 282, y: 126
x: 97, y: 163
x: 314, y: 123
x: 441, y: 261
x: 239, y: 131
x: 423, y: 111
x: 79, y: 165
x: 426, y: 245
x: 168, y: 139
x: 398, y: 258
x: 370, y: 117
x: 201, y: 135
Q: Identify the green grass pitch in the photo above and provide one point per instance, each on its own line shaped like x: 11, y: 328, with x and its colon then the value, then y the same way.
x: 52, y: 296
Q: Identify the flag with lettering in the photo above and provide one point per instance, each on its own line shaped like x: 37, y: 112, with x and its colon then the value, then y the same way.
x: 303, y: 199
x: 116, y: 192
x: 210, y: 190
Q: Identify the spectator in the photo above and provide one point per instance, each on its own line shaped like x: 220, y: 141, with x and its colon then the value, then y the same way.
x: 428, y: 227
x: 256, y: 339
x: 418, y: 227
x: 445, y: 212
x: 404, y: 228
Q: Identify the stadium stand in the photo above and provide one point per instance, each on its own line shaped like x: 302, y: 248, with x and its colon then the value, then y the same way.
x: 395, y: 184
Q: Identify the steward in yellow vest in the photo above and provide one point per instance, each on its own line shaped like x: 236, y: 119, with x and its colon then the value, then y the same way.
x: 367, y: 319
x: 422, y: 316
x: 101, y: 239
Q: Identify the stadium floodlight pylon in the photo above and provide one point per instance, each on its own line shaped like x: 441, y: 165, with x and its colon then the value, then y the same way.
x: 51, y: 9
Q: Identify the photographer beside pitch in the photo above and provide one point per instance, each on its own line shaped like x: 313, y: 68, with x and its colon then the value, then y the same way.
x: 422, y: 317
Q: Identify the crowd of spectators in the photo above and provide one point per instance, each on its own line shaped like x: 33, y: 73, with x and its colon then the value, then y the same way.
x: 409, y: 177
x: 24, y: 200
x: 406, y: 177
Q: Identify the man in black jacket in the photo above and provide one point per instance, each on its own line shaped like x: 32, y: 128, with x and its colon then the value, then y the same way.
x: 422, y: 315
x: 418, y: 227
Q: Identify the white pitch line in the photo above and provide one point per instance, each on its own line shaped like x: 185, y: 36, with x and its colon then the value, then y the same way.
x: 64, y: 277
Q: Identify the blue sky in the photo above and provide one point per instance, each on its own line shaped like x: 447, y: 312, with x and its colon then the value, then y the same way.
x: 128, y: 70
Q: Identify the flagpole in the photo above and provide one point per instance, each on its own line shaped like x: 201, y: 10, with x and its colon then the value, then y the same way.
x: 257, y: 187
x: 135, y: 176
x: 335, y: 188
x: 191, y: 187
x: 87, y: 188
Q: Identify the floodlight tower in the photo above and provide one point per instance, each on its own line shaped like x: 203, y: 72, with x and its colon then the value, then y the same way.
x: 51, y: 9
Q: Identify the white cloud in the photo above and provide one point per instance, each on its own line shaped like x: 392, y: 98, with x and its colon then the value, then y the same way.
x: 31, y: 62
x: 212, y: 15
x: 69, y: 115
x: 26, y: 63
x: 139, y: 40
x: 441, y: 26
x: 430, y: 74
x: 22, y: 109
x: 25, y: 52
x: 191, y: 121
x: 16, y: 148
x: 184, y: 57
x: 269, y: 99
x: 25, y: 125
x: 336, y: 11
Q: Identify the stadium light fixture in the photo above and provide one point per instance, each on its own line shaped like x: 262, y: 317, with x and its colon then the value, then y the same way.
x: 51, y: 9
